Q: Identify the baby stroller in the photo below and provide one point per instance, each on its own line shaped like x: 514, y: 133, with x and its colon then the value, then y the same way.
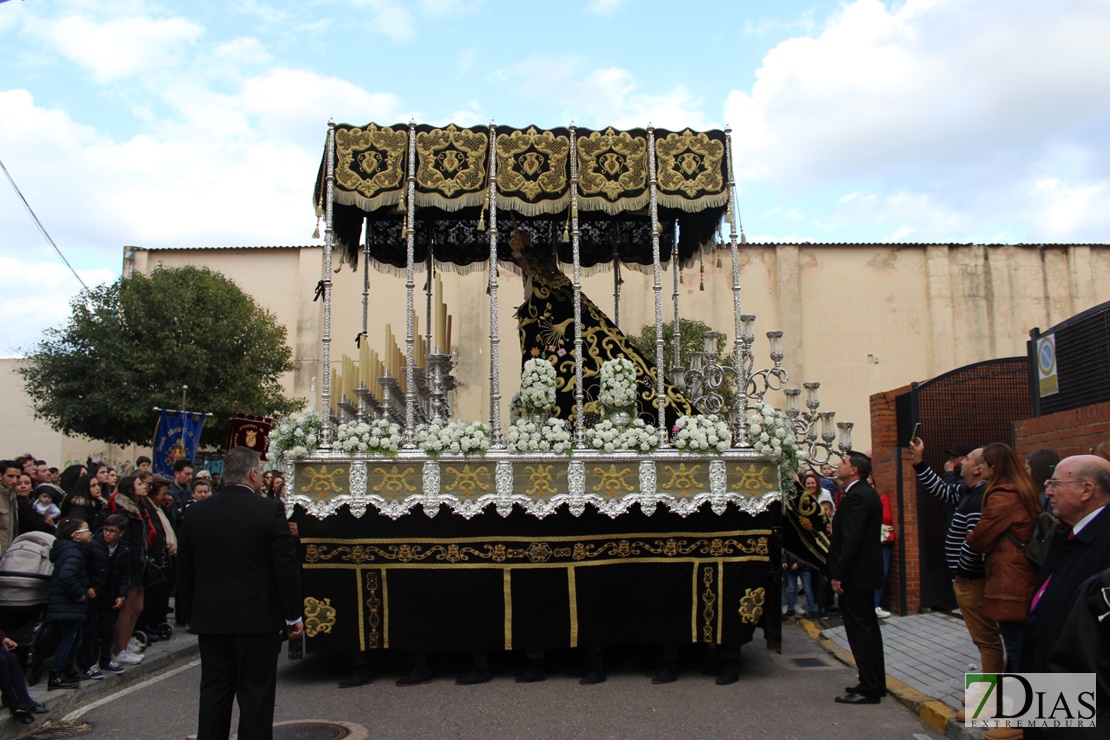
x: 25, y: 571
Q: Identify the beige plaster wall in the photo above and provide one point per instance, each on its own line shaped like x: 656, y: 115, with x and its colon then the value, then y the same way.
x: 858, y: 318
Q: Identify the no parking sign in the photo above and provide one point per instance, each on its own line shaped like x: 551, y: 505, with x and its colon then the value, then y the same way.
x: 1046, y: 365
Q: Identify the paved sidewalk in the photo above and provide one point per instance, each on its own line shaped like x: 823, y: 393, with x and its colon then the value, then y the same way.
x: 927, y: 656
x: 160, y: 656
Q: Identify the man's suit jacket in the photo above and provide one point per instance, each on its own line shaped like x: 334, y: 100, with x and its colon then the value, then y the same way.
x: 237, y: 565
x: 1069, y: 563
x: 855, y: 553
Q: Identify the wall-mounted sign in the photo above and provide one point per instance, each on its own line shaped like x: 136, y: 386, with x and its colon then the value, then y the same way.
x: 1046, y: 365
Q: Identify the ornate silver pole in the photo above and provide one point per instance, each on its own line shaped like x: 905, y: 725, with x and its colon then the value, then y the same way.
x: 677, y: 331
x: 660, y: 397
x: 429, y: 349
x: 365, y: 289
x: 617, y: 292
x: 494, y: 340
x: 575, y: 242
x: 410, y: 371
x: 740, y: 431
x: 329, y: 244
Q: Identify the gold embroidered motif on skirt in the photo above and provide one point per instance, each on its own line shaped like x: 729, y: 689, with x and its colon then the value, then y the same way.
x: 319, y: 616
x: 751, y: 605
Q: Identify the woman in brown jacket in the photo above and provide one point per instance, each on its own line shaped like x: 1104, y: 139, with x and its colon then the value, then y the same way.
x: 1010, y: 507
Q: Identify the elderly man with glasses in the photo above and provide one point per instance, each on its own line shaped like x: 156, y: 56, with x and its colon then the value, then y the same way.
x: 1079, y: 492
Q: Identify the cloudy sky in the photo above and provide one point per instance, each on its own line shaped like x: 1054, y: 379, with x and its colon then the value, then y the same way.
x: 201, y: 123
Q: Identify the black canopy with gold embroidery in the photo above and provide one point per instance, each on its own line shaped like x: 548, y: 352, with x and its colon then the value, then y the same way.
x: 533, y: 166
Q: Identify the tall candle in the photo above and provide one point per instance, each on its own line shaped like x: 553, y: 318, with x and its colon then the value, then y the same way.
x: 447, y: 342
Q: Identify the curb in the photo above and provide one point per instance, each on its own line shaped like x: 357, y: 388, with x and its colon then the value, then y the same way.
x: 159, y: 658
x: 933, y: 712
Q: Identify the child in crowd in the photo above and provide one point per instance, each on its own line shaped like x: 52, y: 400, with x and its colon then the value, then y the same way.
x: 46, y: 507
x: 67, y: 605
x: 109, y: 570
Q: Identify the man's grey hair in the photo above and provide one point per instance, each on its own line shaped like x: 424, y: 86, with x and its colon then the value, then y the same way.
x: 238, y: 464
x: 1097, y: 473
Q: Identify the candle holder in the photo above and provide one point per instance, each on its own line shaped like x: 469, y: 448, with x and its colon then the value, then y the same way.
x: 369, y: 407
x: 440, y: 383
x: 392, y: 400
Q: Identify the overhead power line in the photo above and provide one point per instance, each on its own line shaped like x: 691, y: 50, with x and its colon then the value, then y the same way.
x: 38, y: 223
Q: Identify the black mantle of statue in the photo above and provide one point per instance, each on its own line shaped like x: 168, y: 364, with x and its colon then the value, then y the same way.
x: 519, y: 582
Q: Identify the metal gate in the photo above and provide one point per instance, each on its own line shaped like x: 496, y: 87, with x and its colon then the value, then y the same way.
x: 975, y: 405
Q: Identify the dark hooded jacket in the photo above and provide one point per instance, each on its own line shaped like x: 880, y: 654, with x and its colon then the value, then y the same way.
x: 69, y: 583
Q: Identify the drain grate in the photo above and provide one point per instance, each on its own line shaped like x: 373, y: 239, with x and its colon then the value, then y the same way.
x: 809, y: 662
x: 311, y: 730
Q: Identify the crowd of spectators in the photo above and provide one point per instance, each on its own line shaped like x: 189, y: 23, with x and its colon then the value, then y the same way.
x: 114, y: 558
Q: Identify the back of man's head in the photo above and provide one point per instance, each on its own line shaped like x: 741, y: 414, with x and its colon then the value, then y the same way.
x: 238, y: 463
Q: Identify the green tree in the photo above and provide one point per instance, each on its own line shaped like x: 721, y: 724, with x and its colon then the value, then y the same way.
x: 129, y: 346
x: 690, y: 341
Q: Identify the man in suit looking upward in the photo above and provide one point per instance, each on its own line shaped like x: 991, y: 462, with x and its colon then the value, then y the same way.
x: 238, y: 590
x: 855, y: 571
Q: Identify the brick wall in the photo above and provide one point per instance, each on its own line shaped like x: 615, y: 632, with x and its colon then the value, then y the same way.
x: 1072, y: 432
x: 905, y: 566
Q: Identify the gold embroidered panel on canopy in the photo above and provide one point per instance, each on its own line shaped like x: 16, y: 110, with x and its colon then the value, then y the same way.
x: 534, y: 166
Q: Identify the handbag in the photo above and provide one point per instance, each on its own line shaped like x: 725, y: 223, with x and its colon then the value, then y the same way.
x: 154, y: 578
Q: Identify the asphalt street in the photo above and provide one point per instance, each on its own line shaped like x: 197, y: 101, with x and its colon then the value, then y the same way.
x: 778, y: 696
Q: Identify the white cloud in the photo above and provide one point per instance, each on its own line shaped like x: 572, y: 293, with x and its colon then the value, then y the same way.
x: 604, y: 7
x: 964, y: 104
x: 33, y: 299
x: 244, y: 50
x: 389, y: 18
x: 117, y: 48
x: 608, y: 96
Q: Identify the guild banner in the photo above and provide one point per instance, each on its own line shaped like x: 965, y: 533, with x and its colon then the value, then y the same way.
x: 252, y: 432
x: 176, y: 438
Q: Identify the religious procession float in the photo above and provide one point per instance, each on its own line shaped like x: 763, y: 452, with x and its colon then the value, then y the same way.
x: 621, y: 502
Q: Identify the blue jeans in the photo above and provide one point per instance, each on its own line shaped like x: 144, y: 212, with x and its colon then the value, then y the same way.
x: 887, y: 551
x: 1011, y: 640
x: 792, y: 589
x: 69, y: 635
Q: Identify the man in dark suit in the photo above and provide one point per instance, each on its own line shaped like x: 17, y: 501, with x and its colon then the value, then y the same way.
x: 856, y: 570
x: 1079, y: 492
x: 238, y: 589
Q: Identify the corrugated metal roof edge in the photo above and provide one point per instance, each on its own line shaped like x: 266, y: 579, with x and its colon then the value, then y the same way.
x: 750, y: 243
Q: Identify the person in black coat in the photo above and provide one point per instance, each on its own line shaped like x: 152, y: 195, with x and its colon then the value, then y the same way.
x: 238, y: 589
x: 108, y: 563
x: 67, y: 604
x: 1080, y: 495
x: 856, y: 570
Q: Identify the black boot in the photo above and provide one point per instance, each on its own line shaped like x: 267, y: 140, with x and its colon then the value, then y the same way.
x: 595, y: 671
x: 667, y: 674
x: 534, y: 671
x: 419, y: 674
x: 60, y: 681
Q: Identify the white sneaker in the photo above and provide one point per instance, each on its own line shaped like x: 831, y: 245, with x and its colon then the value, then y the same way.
x: 129, y: 658
x: 881, y: 613
x: 135, y: 647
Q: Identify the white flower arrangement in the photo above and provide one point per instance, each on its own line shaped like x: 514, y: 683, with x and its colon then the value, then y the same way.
x: 701, y: 434
x: 618, y: 384
x: 455, y: 438
x: 379, y: 437
x: 772, y: 435
x: 609, y: 437
x: 296, y: 436
x: 527, y: 436
x: 537, y: 386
